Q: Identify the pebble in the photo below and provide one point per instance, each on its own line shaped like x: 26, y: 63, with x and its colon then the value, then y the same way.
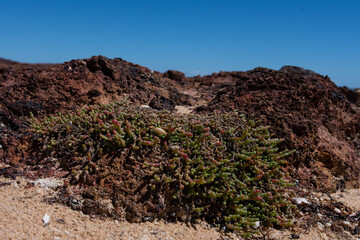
x: 328, y: 225
x: 347, y: 223
x: 301, y: 200
x: 0, y: 146
x: 46, y: 219
x: 337, y: 210
x: 257, y: 224
x: 146, y: 219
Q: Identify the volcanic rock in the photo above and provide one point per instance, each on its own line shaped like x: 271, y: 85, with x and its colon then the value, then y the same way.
x: 313, y: 115
x: 51, y: 88
x: 306, y: 109
x: 175, y: 75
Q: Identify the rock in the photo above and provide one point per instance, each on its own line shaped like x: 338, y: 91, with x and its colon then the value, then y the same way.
x: 294, y: 236
x: 296, y: 70
x: 21, y: 108
x: 46, y: 219
x: 175, y: 75
x: 301, y: 201
x: 93, y: 93
x: 145, y: 106
x: 51, y: 88
x: 162, y: 103
x: 307, y: 109
x: 337, y: 210
x: 347, y: 223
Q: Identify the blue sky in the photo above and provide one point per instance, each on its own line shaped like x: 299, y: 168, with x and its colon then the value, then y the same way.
x: 196, y: 37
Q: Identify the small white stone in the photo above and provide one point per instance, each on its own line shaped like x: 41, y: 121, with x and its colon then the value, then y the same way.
x: 347, y: 223
x: 337, y: 210
x: 301, y: 200
x: 328, y: 225
x: 144, y: 106
x: 46, y: 219
x: 116, y: 222
x: 257, y: 224
x: 0, y: 146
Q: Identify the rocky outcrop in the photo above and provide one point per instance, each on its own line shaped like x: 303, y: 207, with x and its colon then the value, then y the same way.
x: 313, y: 115
x: 51, y: 88
x: 309, y: 112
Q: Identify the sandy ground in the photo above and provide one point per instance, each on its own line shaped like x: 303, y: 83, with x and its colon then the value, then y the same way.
x: 350, y: 198
x: 183, y: 109
x: 22, y: 209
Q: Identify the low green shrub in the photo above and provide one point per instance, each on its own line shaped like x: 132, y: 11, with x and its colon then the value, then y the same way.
x: 224, y: 168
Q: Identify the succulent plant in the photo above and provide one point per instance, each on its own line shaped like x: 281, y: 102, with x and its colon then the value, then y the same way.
x: 224, y: 167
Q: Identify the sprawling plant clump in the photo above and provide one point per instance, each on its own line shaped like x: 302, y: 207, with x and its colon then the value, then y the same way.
x: 224, y: 168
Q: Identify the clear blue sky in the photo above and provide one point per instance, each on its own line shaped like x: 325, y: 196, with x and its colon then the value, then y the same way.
x: 196, y: 37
